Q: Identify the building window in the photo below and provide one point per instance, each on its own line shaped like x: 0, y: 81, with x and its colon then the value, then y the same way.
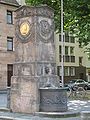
x: 9, y: 74
x: 72, y: 58
x: 66, y: 58
x: 60, y: 49
x: 80, y: 60
x: 71, y: 50
x: 72, y: 39
x: 66, y: 71
x: 66, y: 38
x: 60, y: 58
x: 9, y: 17
x: 72, y: 71
x: 9, y: 43
x: 60, y: 37
x: 66, y: 50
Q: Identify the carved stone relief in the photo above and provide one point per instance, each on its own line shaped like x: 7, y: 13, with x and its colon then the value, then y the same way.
x: 45, y: 12
x: 45, y: 29
x: 53, y: 79
x: 45, y: 52
x: 28, y: 70
x: 29, y: 36
x: 14, y: 85
x: 53, y: 100
x: 25, y: 11
x: 23, y: 69
x: 25, y: 52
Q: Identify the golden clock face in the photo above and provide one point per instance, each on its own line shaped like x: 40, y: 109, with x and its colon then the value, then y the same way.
x: 24, y: 28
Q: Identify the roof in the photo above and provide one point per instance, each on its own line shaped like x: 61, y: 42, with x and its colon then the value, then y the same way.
x: 10, y: 2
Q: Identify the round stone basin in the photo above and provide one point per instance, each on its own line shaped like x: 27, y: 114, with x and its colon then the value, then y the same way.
x: 53, y: 99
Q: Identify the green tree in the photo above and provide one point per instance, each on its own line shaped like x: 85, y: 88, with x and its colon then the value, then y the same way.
x: 76, y: 16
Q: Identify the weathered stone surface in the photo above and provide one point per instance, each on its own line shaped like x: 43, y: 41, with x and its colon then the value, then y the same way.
x: 34, y: 65
x: 24, y: 94
x: 42, y: 10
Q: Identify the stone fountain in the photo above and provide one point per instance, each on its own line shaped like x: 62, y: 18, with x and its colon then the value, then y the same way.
x: 35, y: 85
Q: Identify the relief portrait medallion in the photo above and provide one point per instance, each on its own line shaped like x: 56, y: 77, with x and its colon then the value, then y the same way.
x: 24, y: 28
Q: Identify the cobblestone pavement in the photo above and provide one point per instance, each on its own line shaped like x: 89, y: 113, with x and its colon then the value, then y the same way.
x: 79, y: 105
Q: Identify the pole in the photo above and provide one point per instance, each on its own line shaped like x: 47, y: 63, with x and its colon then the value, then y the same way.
x: 62, y: 46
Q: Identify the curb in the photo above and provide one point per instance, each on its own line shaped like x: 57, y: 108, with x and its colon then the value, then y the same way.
x: 58, y: 114
x: 2, y: 109
x: 6, y: 118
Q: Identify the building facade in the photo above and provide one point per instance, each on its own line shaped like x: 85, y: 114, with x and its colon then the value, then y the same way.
x: 74, y: 58
x: 7, y: 38
x: 87, y: 55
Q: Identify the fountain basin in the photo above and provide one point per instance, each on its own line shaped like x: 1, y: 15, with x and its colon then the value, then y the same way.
x: 53, y: 99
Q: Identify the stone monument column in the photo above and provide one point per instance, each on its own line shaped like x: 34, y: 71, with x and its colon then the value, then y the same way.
x: 34, y: 65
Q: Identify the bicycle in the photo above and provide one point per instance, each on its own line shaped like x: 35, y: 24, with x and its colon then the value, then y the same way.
x: 76, y: 92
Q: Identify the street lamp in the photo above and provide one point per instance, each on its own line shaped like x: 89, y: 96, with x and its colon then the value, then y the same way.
x: 62, y: 46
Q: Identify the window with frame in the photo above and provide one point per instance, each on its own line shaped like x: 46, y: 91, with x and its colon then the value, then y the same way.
x: 72, y: 71
x: 66, y: 50
x: 60, y: 37
x: 9, y: 74
x: 72, y: 59
x: 66, y: 71
x: 60, y: 49
x: 9, y: 44
x: 80, y: 60
x: 72, y: 39
x: 66, y: 58
x: 71, y: 50
x: 66, y: 38
x: 60, y: 58
x: 9, y: 17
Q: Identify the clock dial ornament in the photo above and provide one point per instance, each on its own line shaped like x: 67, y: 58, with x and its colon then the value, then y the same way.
x: 24, y: 28
x: 45, y: 30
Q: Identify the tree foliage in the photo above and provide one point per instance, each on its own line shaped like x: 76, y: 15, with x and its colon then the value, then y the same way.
x: 76, y: 16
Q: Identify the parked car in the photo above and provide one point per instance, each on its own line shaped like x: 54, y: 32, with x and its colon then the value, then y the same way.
x: 88, y: 86
x: 77, y: 82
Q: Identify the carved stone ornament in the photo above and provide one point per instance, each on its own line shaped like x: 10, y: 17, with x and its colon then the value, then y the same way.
x: 23, y: 30
x: 45, y: 30
x: 43, y: 10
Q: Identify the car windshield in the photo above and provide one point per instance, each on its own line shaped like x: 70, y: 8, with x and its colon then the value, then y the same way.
x: 72, y: 81
x: 80, y: 81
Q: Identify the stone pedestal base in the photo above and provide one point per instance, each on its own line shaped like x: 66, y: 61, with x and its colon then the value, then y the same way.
x: 53, y: 100
x: 24, y: 95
